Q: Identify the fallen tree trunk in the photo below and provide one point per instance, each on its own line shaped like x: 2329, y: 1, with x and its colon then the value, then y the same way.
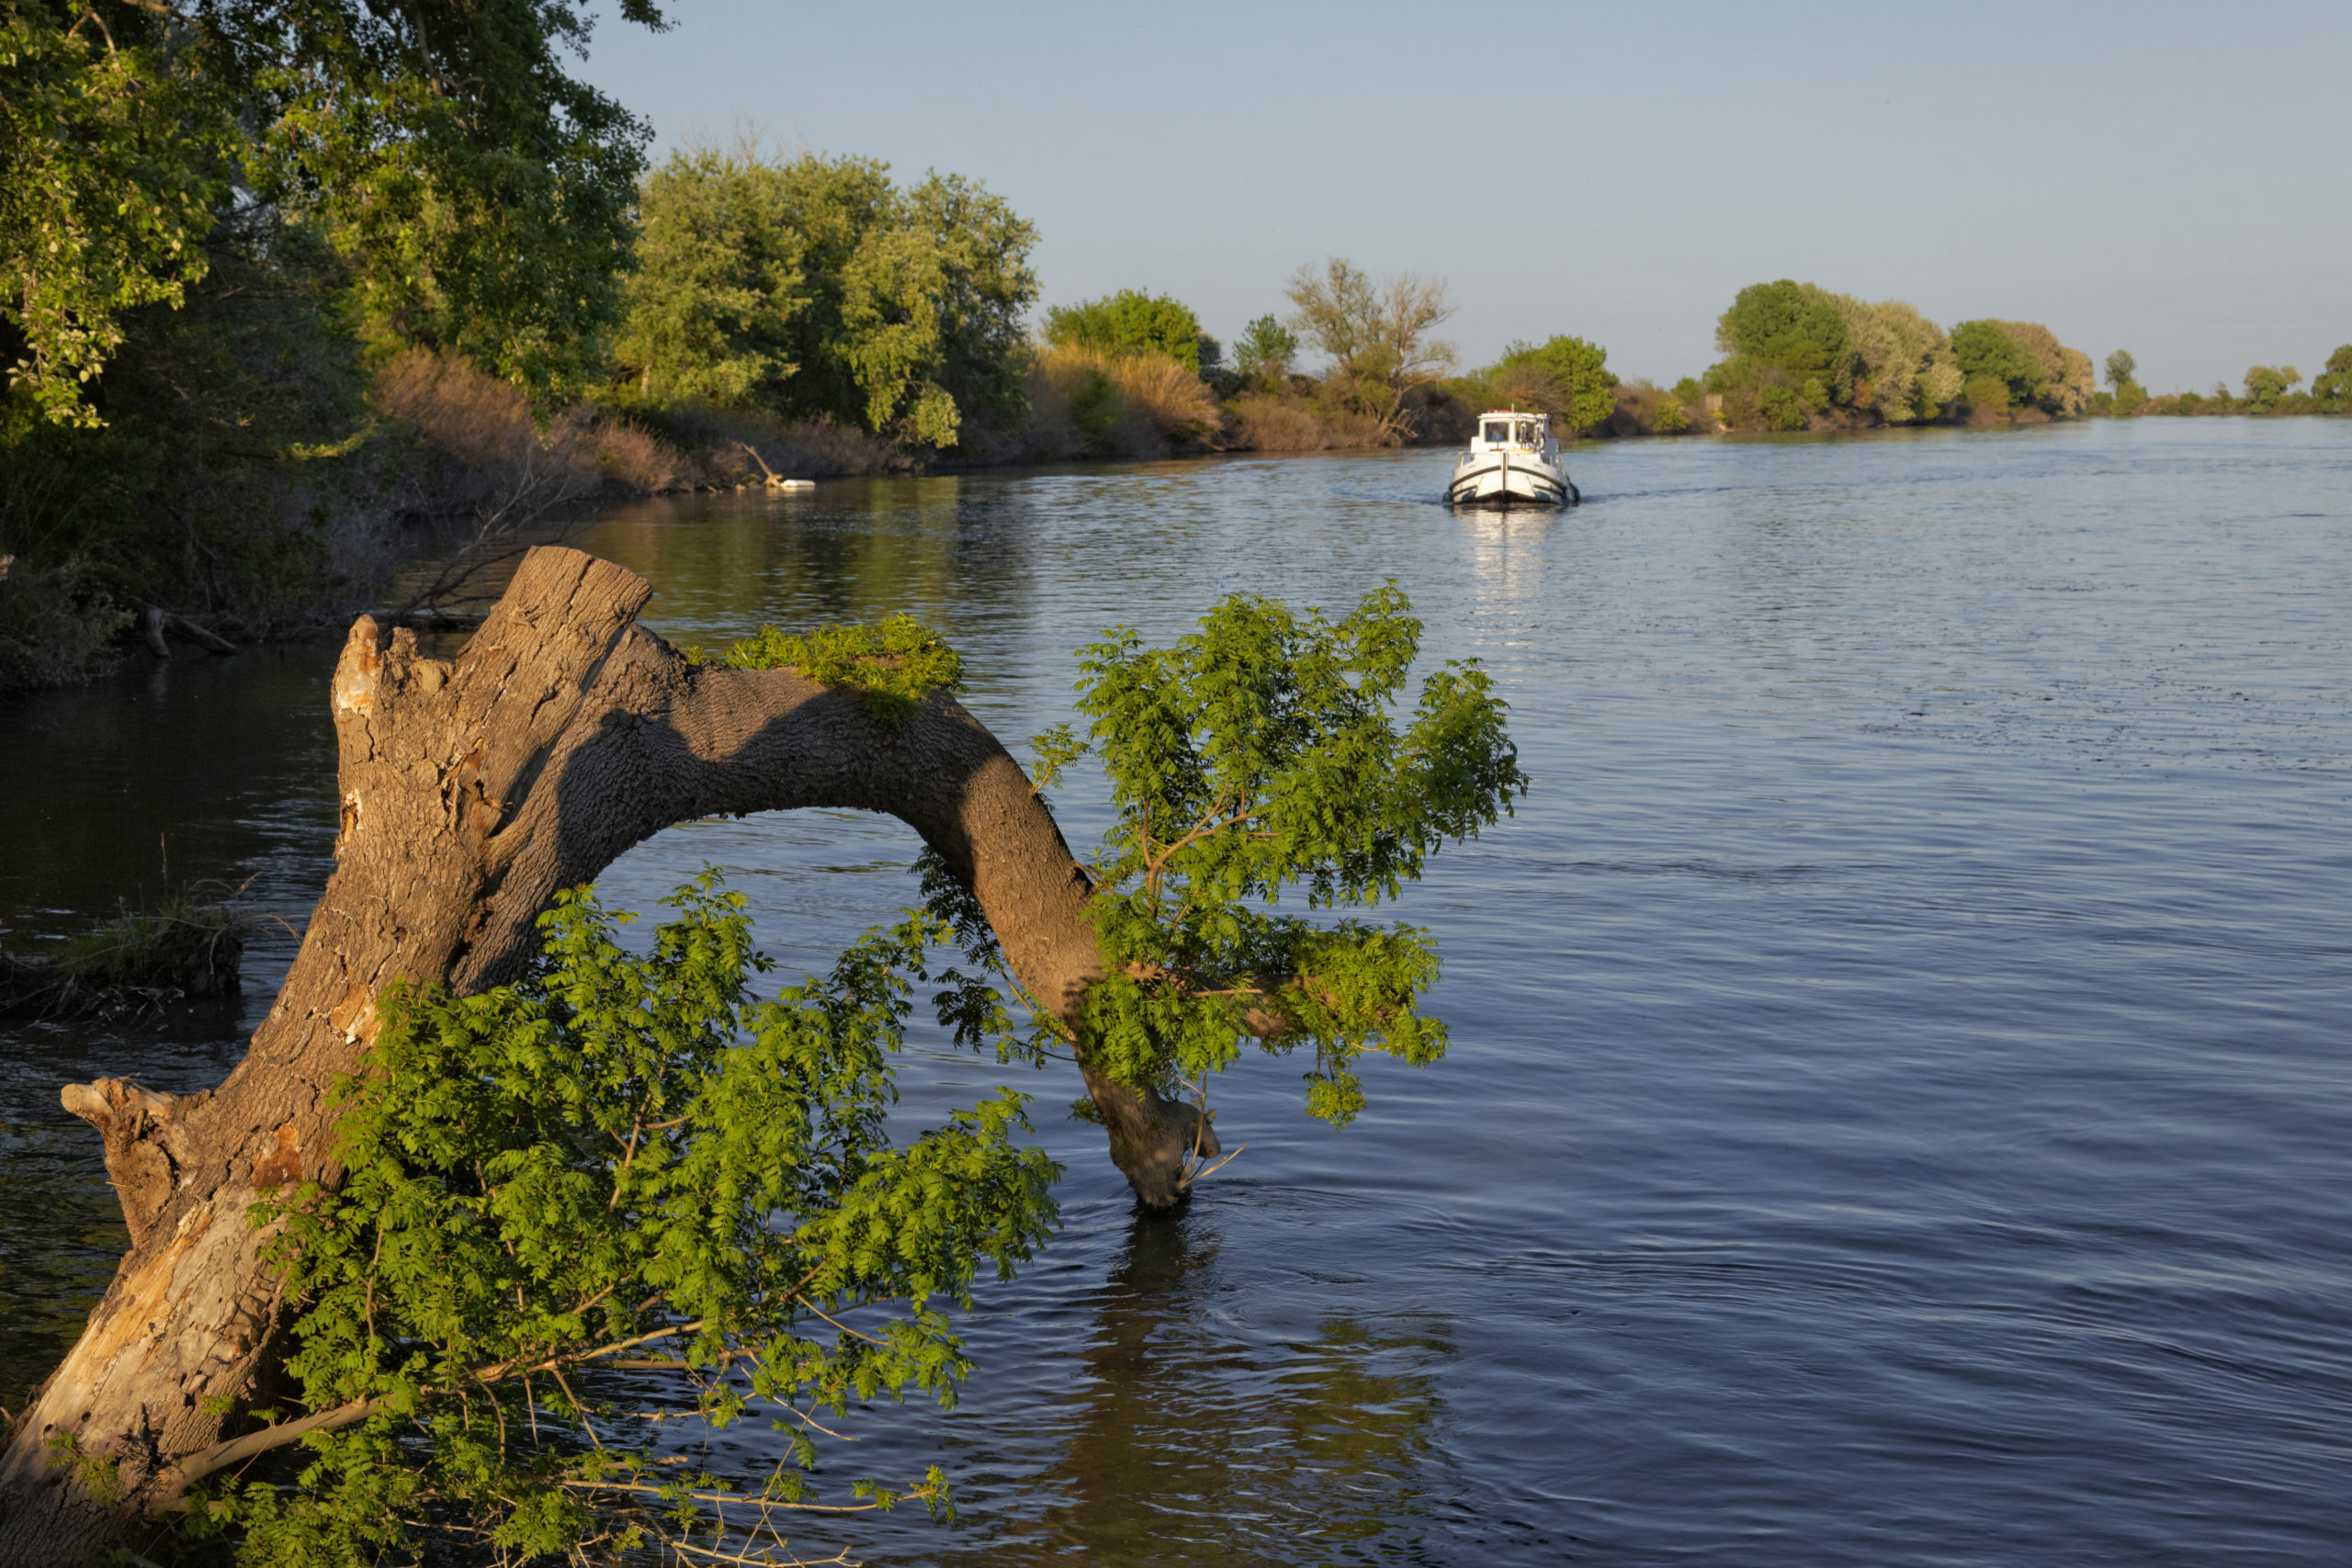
x: 471, y: 791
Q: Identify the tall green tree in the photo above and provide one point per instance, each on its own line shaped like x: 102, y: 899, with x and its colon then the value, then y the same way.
x: 2120, y: 366
x: 1565, y: 377
x: 2333, y: 386
x: 2267, y: 384
x: 1986, y: 351
x: 1792, y: 333
x: 1265, y: 347
x: 719, y: 281
x: 816, y: 286
x: 478, y: 193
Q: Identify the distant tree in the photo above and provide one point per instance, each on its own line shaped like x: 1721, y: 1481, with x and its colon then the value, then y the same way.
x: 2119, y: 368
x: 2265, y: 385
x: 1565, y: 377
x: 1377, y: 335
x: 820, y: 287
x: 1265, y: 347
x: 718, y: 284
x: 1906, y: 368
x: 1795, y: 330
x: 1986, y: 351
x: 2333, y: 386
x: 1131, y: 320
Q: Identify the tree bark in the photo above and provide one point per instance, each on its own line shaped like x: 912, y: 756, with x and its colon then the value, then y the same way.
x: 471, y: 791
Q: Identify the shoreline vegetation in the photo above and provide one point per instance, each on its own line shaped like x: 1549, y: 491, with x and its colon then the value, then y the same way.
x: 340, y: 323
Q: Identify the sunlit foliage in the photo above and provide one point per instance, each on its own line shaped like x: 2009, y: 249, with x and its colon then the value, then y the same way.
x: 592, y: 1217
x: 890, y: 666
x: 2332, y: 387
x: 1257, y: 759
x: 816, y: 286
x: 1565, y: 376
x: 1132, y: 321
x: 478, y: 195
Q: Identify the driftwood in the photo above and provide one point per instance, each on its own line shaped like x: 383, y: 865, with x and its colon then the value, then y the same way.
x: 471, y: 791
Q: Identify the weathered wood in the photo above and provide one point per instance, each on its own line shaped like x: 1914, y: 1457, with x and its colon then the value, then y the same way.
x: 471, y: 791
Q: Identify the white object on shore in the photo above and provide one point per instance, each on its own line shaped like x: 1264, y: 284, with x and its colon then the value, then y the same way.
x: 1513, y: 461
x: 791, y: 484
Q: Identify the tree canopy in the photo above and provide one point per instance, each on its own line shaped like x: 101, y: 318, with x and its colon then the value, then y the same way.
x: 478, y: 195
x: 1795, y: 333
x: 1128, y: 321
x: 2334, y: 384
x: 816, y: 286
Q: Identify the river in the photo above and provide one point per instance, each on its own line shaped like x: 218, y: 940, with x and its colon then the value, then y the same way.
x: 1900, y: 1109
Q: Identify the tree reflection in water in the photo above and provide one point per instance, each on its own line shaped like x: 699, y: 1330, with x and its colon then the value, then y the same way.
x: 1191, y: 1439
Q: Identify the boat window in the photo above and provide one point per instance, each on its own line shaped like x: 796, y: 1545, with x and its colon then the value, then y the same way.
x: 1497, y: 430
x: 1527, y: 433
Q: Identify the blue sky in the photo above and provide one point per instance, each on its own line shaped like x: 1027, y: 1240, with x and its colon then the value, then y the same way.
x: 2169, y: 178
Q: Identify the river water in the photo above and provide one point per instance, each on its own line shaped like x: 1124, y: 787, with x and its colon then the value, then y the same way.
x: 1899, y: 1110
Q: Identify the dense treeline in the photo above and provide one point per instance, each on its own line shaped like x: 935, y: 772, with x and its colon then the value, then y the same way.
x: 281, y: 280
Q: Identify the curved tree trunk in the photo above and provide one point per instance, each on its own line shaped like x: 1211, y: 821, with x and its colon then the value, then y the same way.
x: 471, y: 792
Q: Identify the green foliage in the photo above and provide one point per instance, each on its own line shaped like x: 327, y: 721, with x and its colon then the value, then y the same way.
x: 1266, y: 347
x: 2129, y: 399
x: 624, y: 1165
x: 1905, y: 363
x: 1255, y: 756
x: 2266, y: 384
x: 2120, y: 368
x: 1780, y: 407
x: 1571, y: 379
x: 816, y: 288
x: 718, y: 282
x: 1689, y: 393
x: 1127, y: 322
x: 1988, y: 396
x: 2332, y: 387
x: 111, y: 160
x: 891, y: 667
x: 1987, y: 352
x: 1792, y: 333
x: 478, y: 195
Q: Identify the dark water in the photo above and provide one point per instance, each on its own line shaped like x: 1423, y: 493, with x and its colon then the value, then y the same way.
x: 1901, y: 1104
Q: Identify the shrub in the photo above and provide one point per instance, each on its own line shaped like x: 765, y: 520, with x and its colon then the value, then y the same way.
x: 1988, y: 399
x: 1131, y: 321
x: 1095, y: 403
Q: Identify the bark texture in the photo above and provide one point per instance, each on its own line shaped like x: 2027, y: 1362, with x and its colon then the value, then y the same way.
x: 471, y: 791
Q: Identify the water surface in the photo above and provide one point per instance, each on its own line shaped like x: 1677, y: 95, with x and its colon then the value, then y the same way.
x: 1899, y: 1109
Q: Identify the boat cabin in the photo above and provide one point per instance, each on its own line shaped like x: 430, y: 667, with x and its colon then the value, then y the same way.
x: 1508, y: 429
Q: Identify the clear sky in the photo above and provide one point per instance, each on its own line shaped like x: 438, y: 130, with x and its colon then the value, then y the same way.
x: 2171, y: 178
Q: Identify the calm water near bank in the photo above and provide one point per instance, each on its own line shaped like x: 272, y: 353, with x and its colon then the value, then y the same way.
x: 1901, y: 1102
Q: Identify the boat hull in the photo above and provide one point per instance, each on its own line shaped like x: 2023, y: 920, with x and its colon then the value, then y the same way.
x: 1508, y: 478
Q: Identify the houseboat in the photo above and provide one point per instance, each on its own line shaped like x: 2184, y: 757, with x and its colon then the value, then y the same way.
x: 1513, y: 461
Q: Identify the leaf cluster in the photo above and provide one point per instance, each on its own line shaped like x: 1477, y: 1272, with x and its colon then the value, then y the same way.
x: 1260, y: 756
x: 619, y: 1195
x: 818, y: 288
x: 1130, y: 322
x: 891, y: 667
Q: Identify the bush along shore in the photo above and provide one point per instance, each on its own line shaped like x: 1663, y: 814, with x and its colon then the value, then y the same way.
x: 284, y: 311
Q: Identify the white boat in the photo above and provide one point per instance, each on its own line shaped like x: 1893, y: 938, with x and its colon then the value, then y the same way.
x: 1512, y: 461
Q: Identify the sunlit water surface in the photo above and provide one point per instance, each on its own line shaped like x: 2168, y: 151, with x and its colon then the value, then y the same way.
x: 1899, y: 1109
